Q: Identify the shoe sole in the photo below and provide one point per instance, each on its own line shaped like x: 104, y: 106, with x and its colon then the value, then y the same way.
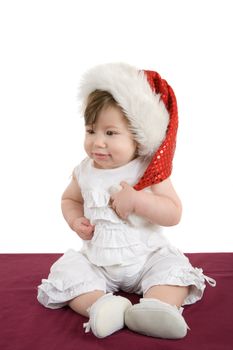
x: 156, y: 321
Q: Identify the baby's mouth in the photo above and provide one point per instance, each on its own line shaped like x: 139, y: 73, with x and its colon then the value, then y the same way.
x: 100, y: 155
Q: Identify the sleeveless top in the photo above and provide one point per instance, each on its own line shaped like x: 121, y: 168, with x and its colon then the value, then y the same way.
x: 115, y: 241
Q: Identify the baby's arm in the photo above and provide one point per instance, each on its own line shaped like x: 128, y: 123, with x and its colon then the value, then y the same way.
x: 161, y: 206
x: 72, y: 209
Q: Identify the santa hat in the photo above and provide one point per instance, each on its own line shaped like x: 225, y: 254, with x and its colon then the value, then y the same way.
x: 150, y: 106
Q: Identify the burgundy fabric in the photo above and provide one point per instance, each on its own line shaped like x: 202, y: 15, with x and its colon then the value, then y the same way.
x: 26, y: 325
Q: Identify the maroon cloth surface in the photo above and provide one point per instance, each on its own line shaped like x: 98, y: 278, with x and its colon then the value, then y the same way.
x: 26, y: 325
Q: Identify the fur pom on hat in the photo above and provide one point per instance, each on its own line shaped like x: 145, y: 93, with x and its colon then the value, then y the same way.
x: 150, y: 106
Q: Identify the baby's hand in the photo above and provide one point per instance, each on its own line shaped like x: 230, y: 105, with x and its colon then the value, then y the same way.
x: 123, y: 201
x: 83, y: 228
x: 124, y: 206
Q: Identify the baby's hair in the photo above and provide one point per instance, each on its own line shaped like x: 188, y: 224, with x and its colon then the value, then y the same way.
x: 98, y: 100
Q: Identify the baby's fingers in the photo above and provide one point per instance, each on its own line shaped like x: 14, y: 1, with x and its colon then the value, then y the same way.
x: 86, y: 232
x: 86, y: 222
x: 86, y: 229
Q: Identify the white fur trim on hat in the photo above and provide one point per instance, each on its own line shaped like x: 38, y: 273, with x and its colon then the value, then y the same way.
x: 144, y: 109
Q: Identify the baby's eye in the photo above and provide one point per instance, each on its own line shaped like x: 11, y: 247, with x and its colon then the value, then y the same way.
x: 90, y: 131
x: 110, y: 133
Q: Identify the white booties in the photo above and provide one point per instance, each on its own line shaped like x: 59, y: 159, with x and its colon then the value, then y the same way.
x: 155, y: 318
x: 107, y: 315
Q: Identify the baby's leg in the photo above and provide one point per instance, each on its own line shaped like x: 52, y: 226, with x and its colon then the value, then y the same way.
x: 174, y: 295
x: 84, y: 301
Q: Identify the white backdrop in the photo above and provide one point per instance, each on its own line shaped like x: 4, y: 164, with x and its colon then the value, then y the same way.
x: 45, y: 48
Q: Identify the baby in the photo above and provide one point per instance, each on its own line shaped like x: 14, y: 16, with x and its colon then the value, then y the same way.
x: 119, y: 198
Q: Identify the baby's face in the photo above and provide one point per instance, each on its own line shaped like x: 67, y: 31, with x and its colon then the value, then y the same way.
x: 109, y: 142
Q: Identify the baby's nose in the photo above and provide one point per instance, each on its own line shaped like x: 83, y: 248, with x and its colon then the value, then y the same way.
x: 100, y: 141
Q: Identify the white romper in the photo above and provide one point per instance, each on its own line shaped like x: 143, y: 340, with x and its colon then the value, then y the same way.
x: 120, y: 256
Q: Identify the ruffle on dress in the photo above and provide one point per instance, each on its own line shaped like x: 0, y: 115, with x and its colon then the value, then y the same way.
x: 95, y: 198
x: 114, y: 240
x: 115, y: 236
x: 114, y: 244
x: 113, y: 256
x: 101, y: 214
x: 96, y: 207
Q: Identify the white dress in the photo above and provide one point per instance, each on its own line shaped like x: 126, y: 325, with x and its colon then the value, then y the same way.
x: 120, y: 256
x: 115, y: 241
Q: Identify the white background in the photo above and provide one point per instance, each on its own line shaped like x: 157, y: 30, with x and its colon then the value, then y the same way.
x: 45, y: 48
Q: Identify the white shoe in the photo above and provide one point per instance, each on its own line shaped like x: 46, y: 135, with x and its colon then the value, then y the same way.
x: 107, y: 315
x: 155, y: 318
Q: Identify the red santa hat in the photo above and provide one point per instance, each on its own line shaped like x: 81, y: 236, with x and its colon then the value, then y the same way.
x: 149, y: 104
